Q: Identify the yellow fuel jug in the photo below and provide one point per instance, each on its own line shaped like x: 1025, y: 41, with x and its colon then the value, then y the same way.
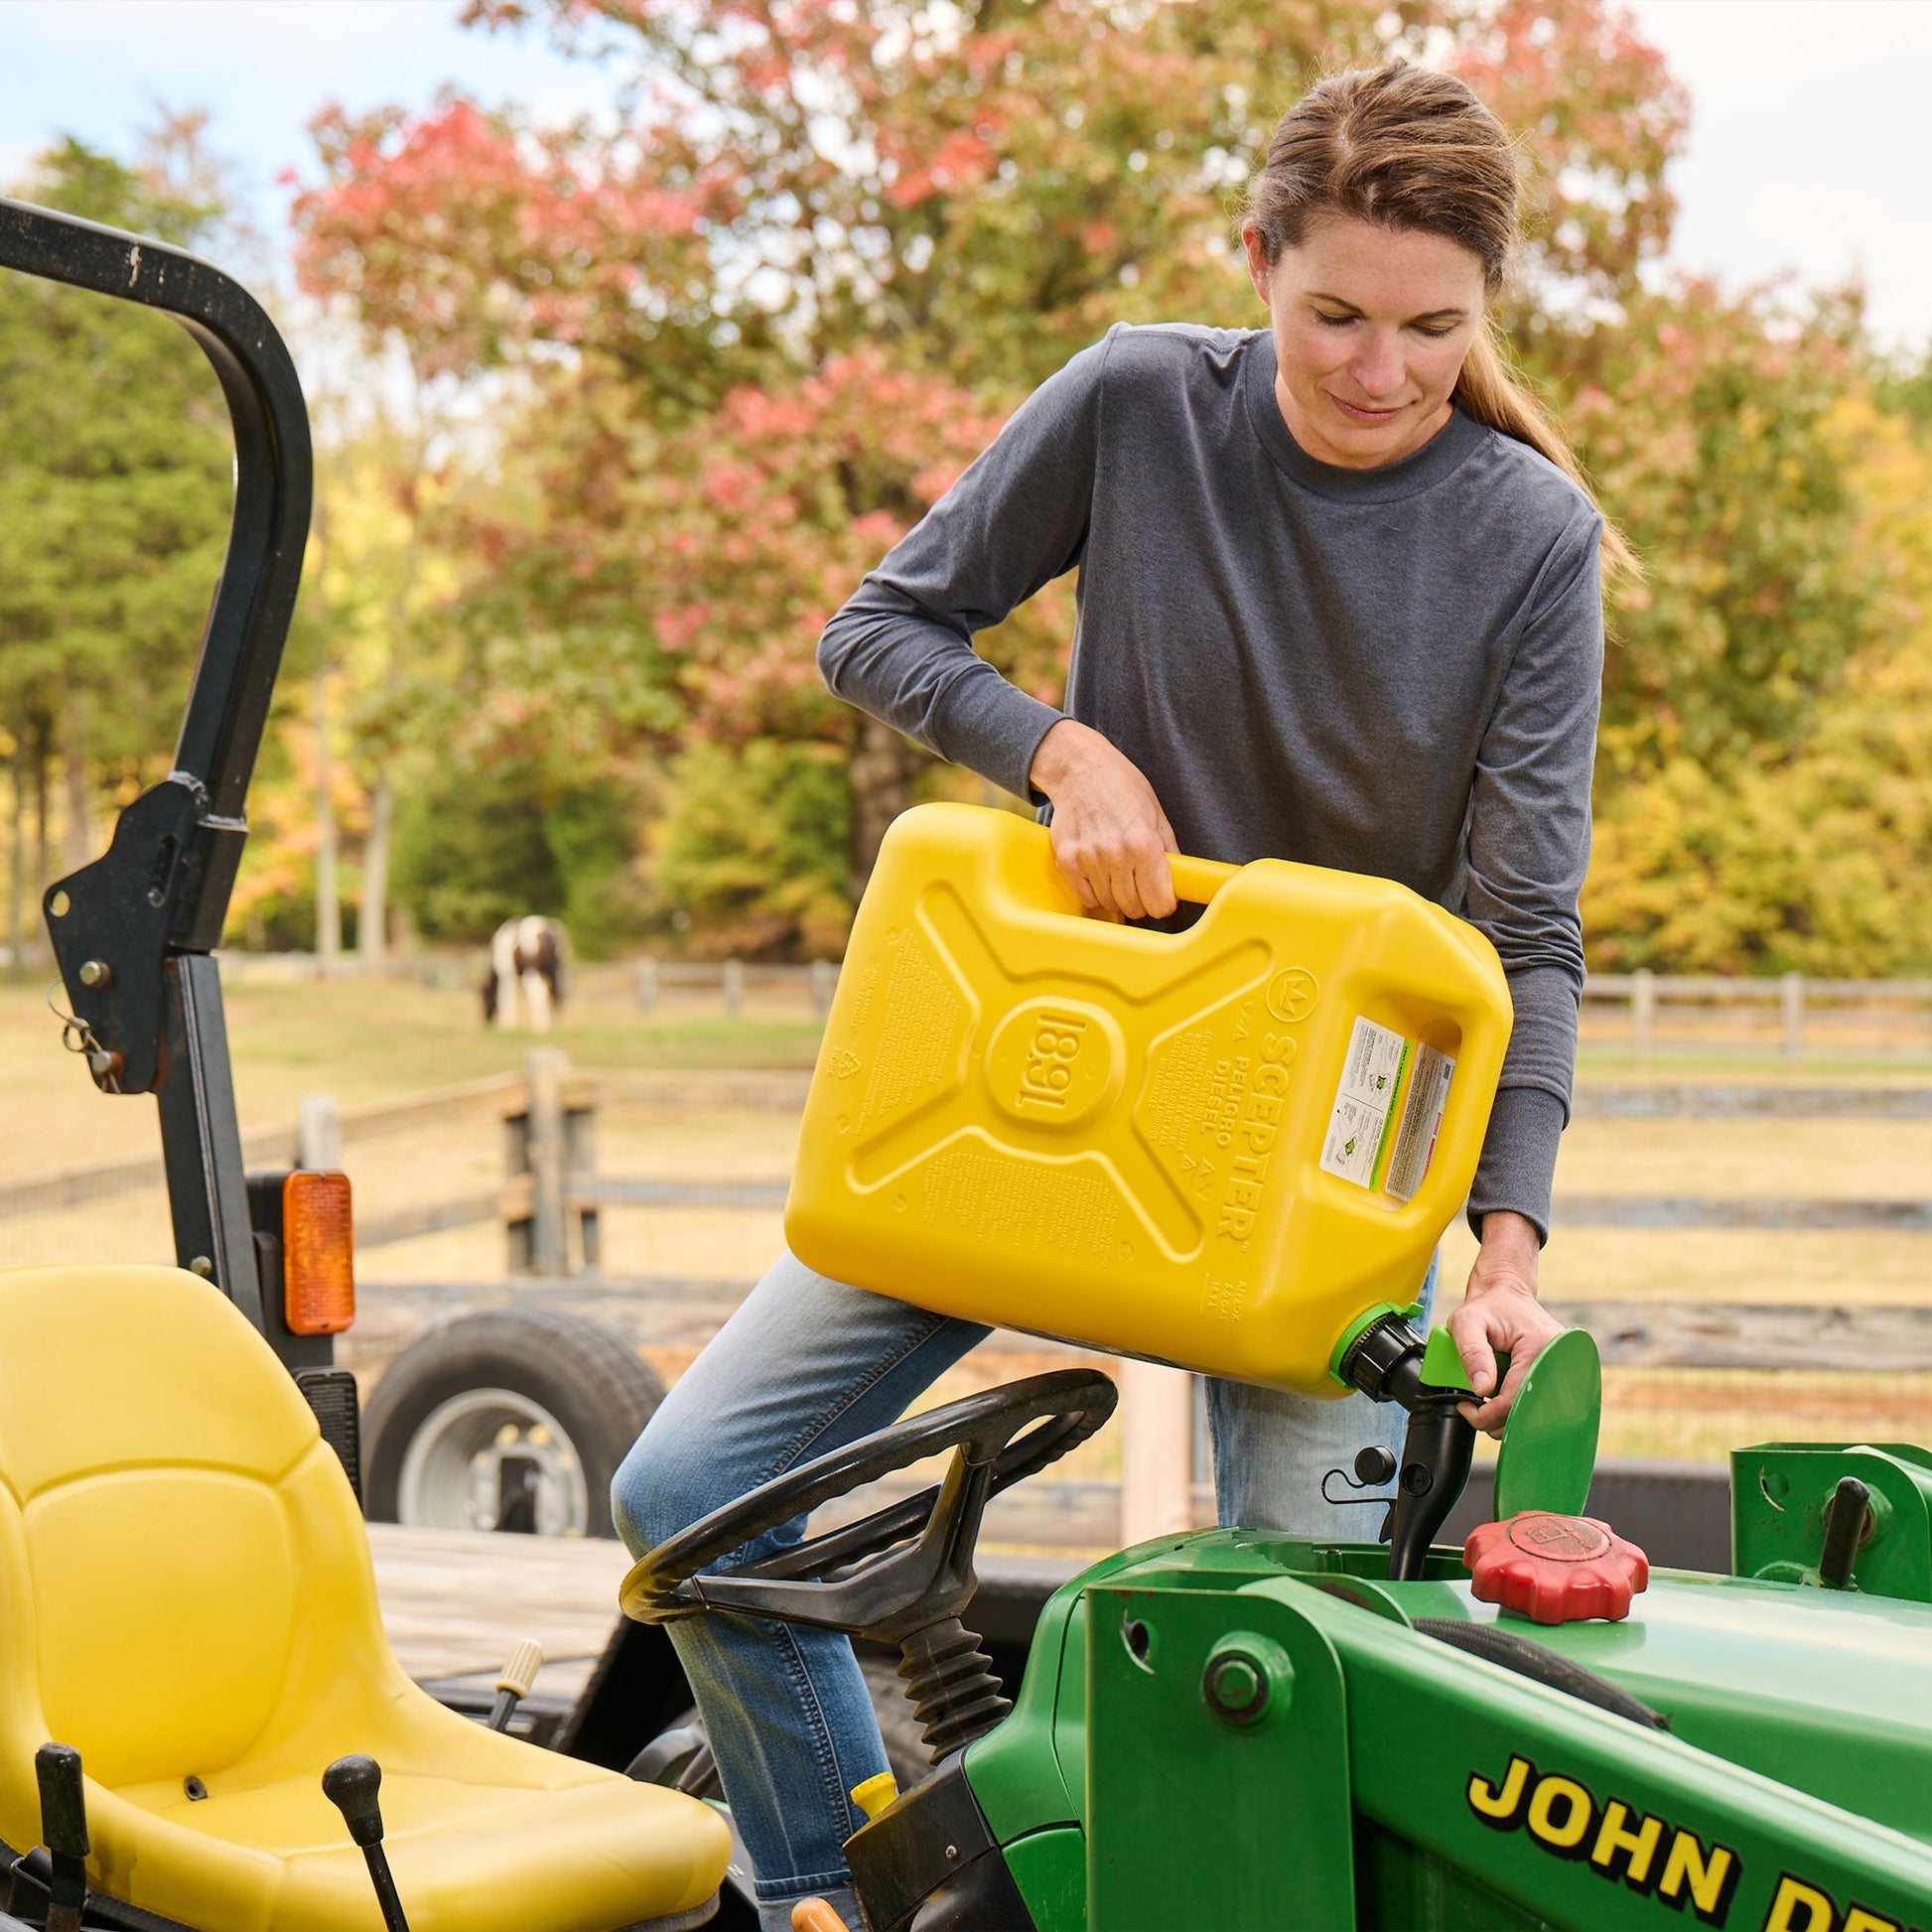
x: 1219, y: 1148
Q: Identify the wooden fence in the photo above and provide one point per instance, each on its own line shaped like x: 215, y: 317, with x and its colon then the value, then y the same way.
x: 654, y: 978
x: 551, y: 1195
x: 551, y: 1190
x: 1654, y: 1016
x: 1792, y: 1017
x: 316, y: 1139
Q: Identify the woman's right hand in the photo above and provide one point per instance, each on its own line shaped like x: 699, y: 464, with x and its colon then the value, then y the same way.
x: 1110, y: 836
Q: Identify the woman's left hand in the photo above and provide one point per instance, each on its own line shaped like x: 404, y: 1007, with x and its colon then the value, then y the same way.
x: 1500, y: 1316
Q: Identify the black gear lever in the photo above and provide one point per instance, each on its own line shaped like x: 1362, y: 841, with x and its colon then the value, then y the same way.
x: 1385, y: 1363
x: 350, y: 1784
x: 64, y: 1830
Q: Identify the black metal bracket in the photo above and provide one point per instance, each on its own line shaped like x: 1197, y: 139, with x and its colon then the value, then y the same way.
x: 116, y: 922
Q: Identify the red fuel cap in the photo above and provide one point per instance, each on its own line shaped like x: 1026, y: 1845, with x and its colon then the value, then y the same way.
x: 1555, y: 1569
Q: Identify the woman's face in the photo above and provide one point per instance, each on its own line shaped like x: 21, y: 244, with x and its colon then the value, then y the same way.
x: 1370, y: 326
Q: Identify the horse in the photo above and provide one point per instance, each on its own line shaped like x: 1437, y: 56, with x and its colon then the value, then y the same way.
x: 530, y: 952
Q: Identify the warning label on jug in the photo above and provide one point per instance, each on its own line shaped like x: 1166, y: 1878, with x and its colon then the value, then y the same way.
x: 1388, y: 1111
x: 1373, y: 1070
x: 1422, y: 1121
x: 1355, y: 1131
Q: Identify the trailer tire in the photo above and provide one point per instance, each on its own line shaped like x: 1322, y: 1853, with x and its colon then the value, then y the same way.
x: 572, y: 1396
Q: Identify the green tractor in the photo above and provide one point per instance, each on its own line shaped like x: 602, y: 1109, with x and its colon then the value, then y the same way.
x: 201, y: 1719
x: 1232, y: 1729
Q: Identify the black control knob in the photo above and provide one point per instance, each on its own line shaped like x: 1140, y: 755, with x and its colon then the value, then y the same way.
x: 350, y: 1784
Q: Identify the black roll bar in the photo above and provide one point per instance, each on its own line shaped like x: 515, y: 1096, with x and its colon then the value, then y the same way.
x: 133, y: 932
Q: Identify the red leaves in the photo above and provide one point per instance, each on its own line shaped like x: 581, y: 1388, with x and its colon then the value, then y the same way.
x: 961, y: 161
x: 853, y: 169
x: 462, y: 231
x: 761, y: 523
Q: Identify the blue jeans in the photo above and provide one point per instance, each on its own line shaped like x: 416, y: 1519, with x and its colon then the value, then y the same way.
x: 805, y: 1365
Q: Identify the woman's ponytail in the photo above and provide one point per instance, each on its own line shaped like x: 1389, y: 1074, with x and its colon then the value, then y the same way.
x: 1492, y: 392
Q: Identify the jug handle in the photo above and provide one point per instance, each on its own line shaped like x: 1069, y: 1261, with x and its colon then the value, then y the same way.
x: 1198, y: 879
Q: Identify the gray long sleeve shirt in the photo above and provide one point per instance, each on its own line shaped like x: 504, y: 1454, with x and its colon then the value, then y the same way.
x: 1391, y: 672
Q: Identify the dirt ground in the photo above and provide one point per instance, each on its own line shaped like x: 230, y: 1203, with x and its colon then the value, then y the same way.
x: 672, y: 1109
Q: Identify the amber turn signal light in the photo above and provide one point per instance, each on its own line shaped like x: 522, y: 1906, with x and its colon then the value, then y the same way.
x: 318, y: 1254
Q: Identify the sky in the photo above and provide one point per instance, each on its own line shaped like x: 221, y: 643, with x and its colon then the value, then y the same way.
x: 1811, y: 144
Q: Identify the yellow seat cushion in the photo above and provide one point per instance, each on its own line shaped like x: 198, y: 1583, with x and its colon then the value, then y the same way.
x: 186, y: 1591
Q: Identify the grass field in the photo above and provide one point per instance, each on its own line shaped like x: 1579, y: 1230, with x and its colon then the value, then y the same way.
x: 368, y: 1040
x: 361, y: 1040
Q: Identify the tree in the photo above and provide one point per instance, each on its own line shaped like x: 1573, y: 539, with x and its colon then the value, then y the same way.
x: 374, y: 578
x: 1803, y: 853
x: 984, y: 188
x: 1600, y: 118
x: 768, y: 515
x: 816, y: 254
x: 752, y: 852
x: 1719, y: 435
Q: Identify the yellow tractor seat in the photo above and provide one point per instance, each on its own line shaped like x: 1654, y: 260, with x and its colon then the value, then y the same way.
x: 186, y: 1597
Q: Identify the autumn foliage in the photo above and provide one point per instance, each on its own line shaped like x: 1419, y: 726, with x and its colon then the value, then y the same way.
x: 756, y: 317
x: 539, y: 240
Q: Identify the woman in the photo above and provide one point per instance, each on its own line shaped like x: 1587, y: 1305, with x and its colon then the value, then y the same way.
x: 1338, y: 603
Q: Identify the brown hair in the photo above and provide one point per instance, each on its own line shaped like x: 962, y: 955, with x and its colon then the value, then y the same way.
x: 1412, y: 148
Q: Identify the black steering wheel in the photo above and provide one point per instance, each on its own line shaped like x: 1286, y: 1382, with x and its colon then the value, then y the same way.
x: 905, y: 1565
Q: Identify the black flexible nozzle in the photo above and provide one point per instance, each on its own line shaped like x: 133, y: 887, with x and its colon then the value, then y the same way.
x: 64, y: 1830
x: 1385, y: 1363
x: 350, y: 1784
x: 1435, y: 1457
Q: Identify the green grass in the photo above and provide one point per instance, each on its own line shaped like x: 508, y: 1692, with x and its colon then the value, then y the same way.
x: 363, y: 1040
x: 394, y: 1037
